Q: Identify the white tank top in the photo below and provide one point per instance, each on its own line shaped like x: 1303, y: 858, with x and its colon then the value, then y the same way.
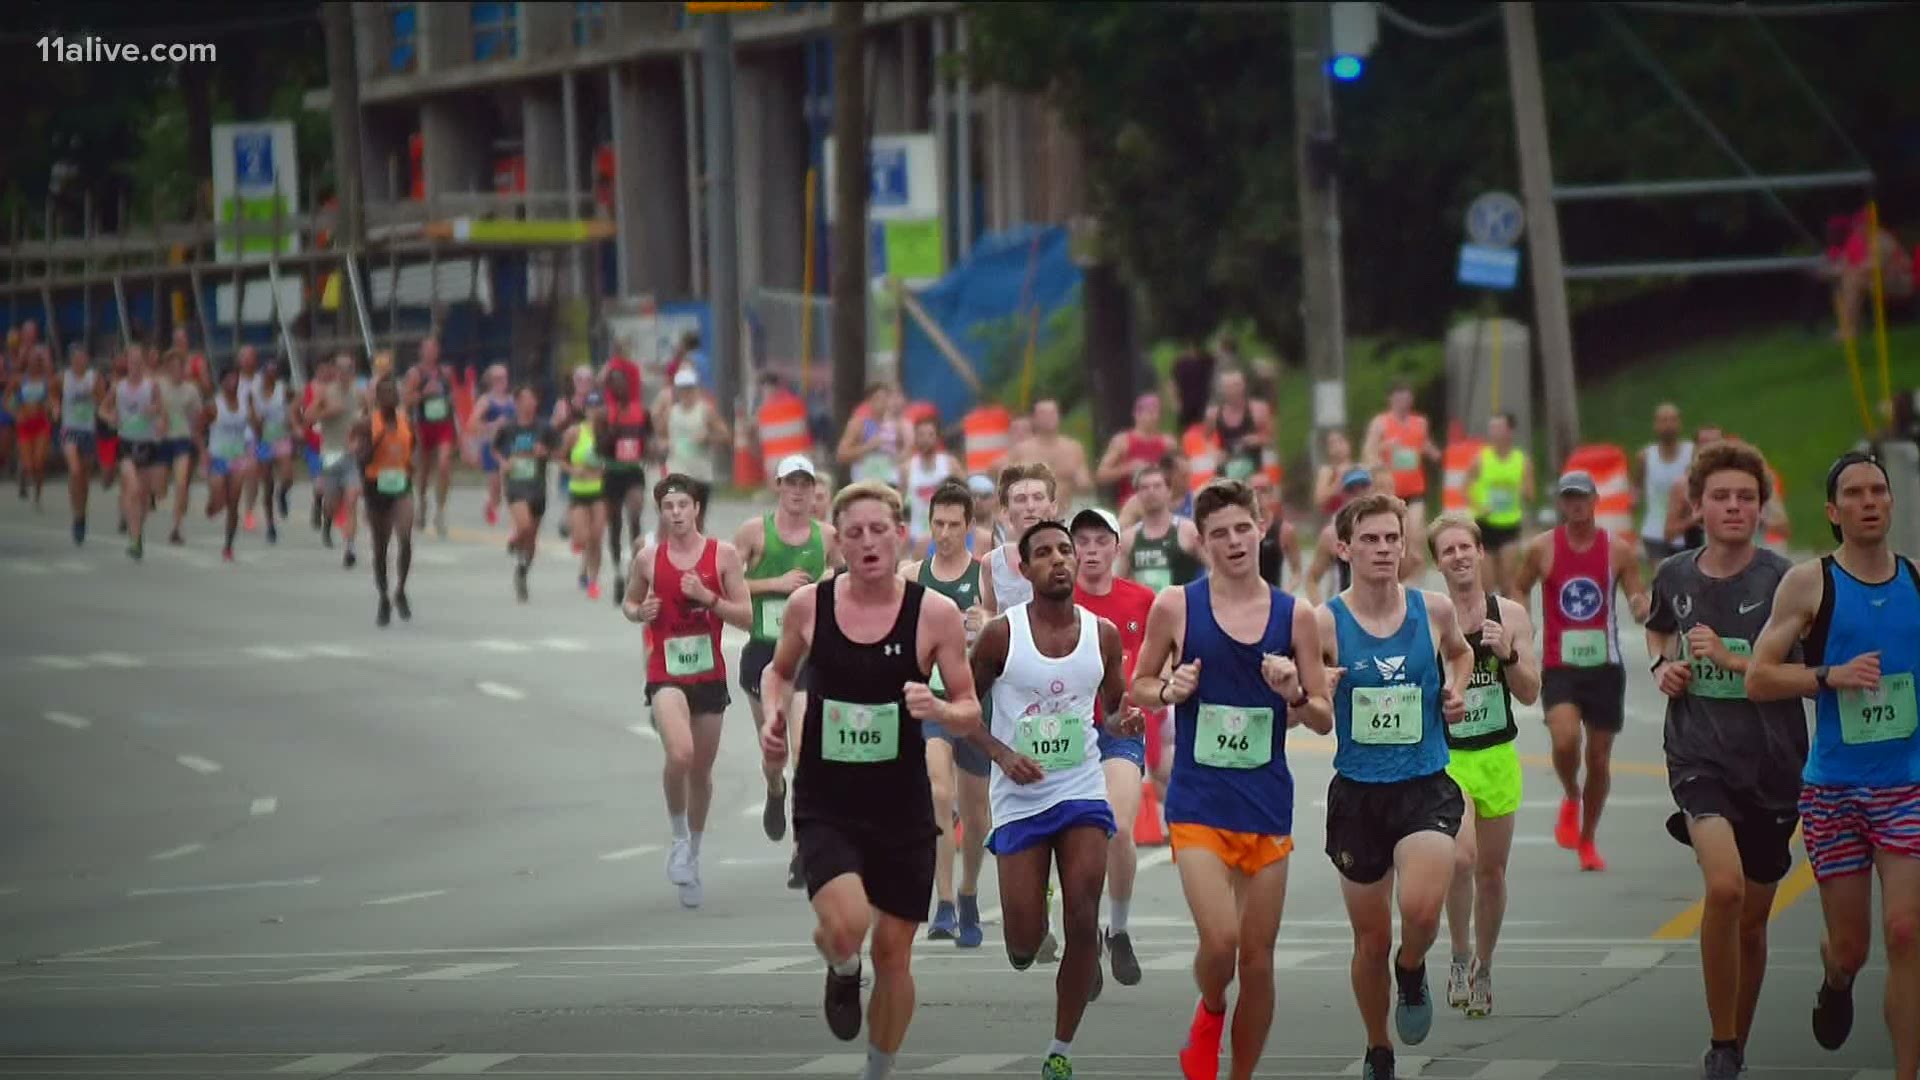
x: 687, y: 441
x: 1009, y: 586
x: 1659, y: 476
x: 272, y: 407
x: 229, y: 434
x: 1050, y: 700
x: 139, y: 410
x: 921, y: 482
x: 77, y: 408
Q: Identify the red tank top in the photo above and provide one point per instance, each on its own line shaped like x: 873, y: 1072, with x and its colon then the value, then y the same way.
x: 684, y: 639
x: 1404, y: 442
x: 1577, y: 597
x: 1142, y: 450
x: 1125, y: 606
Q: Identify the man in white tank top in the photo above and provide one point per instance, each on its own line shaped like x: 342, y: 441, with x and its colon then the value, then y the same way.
x: 925, y: 469
x: 1657, y: 468
x: 1044, y: 662
x: 1027, y: 492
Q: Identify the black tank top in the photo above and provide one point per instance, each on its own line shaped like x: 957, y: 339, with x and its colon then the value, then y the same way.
x: 1237, y: 462
x: 1488, y: 671
x: 891, y: 799
x: 1270, y: 560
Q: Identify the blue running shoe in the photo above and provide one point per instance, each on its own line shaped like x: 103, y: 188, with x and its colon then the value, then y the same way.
x: 944, y: 923
x: 1413, y: 1014
x: 968, y: 935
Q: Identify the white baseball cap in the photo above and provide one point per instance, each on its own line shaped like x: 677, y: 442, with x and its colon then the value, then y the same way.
x: 686, y: 376
x: 795, y: 463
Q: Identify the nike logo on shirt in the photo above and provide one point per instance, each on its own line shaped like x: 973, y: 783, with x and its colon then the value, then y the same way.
x: 1744, y: 608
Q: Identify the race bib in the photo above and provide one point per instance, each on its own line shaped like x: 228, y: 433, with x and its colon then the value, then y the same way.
x: 1233, y: 736
x: 859, y: 734
x: 136, y: 428
x: 626, y: 451
x: 80, y: 414
x: 274, y: 431
x: 1387, y: 715
x: 1405, y: 460
x: 522, y: 469
x: 32, y: 393
x: 1486, y: 713
x: 1502, y: 500
x: 1884, y: 715
x: 1713, y: 681
x: 691, y: 655
x: 1154, y: 577
x: 773, y: 616
x: 390, y: 481
x: 1583, y: 648
x: 434, y: 409
x: 1056, y: 740
x: 1239, y: 468
x: 228, y: 447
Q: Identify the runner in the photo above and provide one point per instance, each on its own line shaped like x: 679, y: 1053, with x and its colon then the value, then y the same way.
x: 336, y: 410
x: 1655, y: 470
x: 1125, y: 604
x: 1734, y: 766
x: 926, y: 467
x: 1392, y: 810
x: 684, y: 585
x: 250, y: 382
x: 1230, y: 805
x: 874, y: 439
x: 1500, y: 486
x: 184, y: 405
x: 956, y: 768
x: 227, y: 432
x: 1683, y: 529
x: 586, y: 469
x: 383, y: 445
x: 1139, y: 446
x: 1856, y: 616
x: 137, y: 411
x: 987, y: 530
x: 782, y: 551
x: 1162, y: 550
x: 309, y: 436
x: 107, y: 436
x: 631, y: 429
x: 77, y: 409
x: 31, y: 392
x: 1327, y: 558
x: 568, y: 411
x: 1400, y: 440
x: 692, y: 428
x: 1578, y: 566
x: 862, y: 810
x: 1481, y: 757
x: 1279, y: 541
x: 1066, y: 456
x: 494, y: 409
x: 274, y: 448
x: 1242, y: 428
x: 524, y: 445
x: 1027, y: 493
x: 1044, y: 662
x: 1330, y: 477
x: 428, y: 394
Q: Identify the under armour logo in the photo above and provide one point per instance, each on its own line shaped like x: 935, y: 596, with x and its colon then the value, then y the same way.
x: 1391, y: 668
x: 890, y: 649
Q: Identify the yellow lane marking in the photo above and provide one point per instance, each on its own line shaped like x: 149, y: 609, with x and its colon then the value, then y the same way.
x: 1687, y: 924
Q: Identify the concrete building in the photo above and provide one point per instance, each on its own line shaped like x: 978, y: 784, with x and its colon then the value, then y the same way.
x: 603, y: 101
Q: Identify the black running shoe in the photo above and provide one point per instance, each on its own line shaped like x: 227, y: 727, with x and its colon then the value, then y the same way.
x: 400, y: 604
x: 796, y: 879
x: 520, y: 583
x: 348, y: 560
x: 842, y: 1005
x: 1126, y: 966
x: 1378, y: 1064
x: 1832, y: 1016
x: 385, y: 614
x: 773, y: 817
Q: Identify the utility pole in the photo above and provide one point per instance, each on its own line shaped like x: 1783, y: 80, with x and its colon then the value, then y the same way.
x: 1543, y: 230
x: 1324, y: 313
x: 343, y: 84
x: 723, y: 223
x: 852, y: 177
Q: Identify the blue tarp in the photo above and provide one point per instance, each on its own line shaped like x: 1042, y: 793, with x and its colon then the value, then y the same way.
x: 979, y: 304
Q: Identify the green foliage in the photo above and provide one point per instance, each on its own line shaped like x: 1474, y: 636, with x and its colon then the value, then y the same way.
x: 1059, y: 368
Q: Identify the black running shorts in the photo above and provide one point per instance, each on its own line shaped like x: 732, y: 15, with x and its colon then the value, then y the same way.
x: 897, y: 876
x: 755, y: 655
x: 1600, y: 693
x: 1764, y: 837
x: 1365, y: 822
x: 703, y: 698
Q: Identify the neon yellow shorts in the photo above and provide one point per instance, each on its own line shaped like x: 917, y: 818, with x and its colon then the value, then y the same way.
x: 1490, y: 777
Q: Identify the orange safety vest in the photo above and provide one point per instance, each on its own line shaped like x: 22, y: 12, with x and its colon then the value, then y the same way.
x: 988, y: 431
x: 1202, y: 453
x: 1455, y: 463
x: 1405, y: 440
x: 782, y: 424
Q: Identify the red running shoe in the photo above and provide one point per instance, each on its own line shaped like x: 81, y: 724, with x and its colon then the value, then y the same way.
x: 1566, y: 831
x: 1200, y: 1057
x: 593, y: 590
x: 1590, y: 857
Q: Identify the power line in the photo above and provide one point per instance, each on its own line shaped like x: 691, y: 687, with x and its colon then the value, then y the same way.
x: 1436, y: 33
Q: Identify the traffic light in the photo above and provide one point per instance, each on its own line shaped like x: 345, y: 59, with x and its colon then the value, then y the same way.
x: 1356, y: 28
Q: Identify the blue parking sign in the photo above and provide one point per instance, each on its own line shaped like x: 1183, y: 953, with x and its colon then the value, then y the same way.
x: 1486, y: 267
x: 889, y: 166
x: 253, y: 159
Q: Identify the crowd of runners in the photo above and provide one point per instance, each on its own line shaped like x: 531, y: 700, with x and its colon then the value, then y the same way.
x: 944, y: 666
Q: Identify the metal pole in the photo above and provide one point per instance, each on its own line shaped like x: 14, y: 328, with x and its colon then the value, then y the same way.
x: 120, y: 310
x: 200, y: 309
x: 359, y: 302
x: 944, y: 156
x: 570, y: 137
x: 1319, y: 219
x: 852, y: 183
x: 343, y: 83
x: 723, y: 226
x: 963, y: 137
x: 1543, y: 230
x: 690, y: 95
x: 625, y: 195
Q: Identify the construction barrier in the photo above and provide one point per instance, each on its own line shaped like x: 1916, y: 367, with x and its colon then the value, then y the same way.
x: 1270, y: 467
x: 782, y: 426
x: 747, y: 469
x: 1203, y: 455
x: 988, y: 431
x: 1607, y: 464
x: 1455, y: 465
x: 1148, y: 828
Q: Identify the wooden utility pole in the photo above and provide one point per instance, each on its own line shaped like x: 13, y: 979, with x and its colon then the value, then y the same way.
x: 852, y: 177
x: 1319, y: 219
x: 1552, y: 327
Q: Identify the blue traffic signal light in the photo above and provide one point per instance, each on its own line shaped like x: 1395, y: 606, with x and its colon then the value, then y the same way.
x: 1346, y: 68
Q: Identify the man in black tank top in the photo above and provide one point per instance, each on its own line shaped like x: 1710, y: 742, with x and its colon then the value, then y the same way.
x: 862, y: 803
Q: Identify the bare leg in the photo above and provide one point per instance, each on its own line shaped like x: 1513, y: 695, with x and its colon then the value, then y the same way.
x: 1720, y: 917
x: 1900, y: 919
x: 1370, y: 909
x: 940, y: 773
x: 1123, y: 859
x: 1262, y: 899
x: 1460, y: 894
x: 1563, y: 724
x: 890, y: 1008
x: 1599, y: 760
x: 1494, y: 838
x: 706, y: 748
x: 675, y: 725
x: 1082, y: 858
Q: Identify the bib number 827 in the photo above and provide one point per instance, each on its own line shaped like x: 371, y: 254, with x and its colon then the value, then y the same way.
x: 859, y: 738
x: 1234, y: 742
x: 1475, y: 716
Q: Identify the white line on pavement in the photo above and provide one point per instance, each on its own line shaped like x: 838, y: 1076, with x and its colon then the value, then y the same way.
x: 455, y: 972
x: 629, y: 853
x: 832, y: 1064
x: 9, y: 890
x: 1515, y: 1069
x: 1156, y: 857
x: 68, y: 720
x: 199, y: 764
x: 766, y: 965
x: 1634, y: 958
x: 337, y: 652
x: 273, y: 652
x: 753, y: 809
x: 178, y: 890
x: 263, y: 806
x: 501, y: 690
x: 974, y: 1063
x: 645, y: 731
x: 561, y: 644
x: 347, y: 974
x: 325, y: 1064
x: 176, y: 852
x: 500, y: 646
x: 1403, y: 1065
x: 463, y: 1064
x: 404, y: 898
x: 105, y: 949
x: 60, y: 663
x: 118, y: 660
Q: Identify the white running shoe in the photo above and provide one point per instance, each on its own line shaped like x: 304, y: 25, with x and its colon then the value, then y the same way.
x: 1457, y: 983
x: 1480, y: 996
x: 682, y: 867
x: 691, y: 894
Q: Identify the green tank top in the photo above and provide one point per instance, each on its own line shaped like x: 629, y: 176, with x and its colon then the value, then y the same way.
x: 964, y: 591
x: 1160, y: 563
x: 1496, y: 494
x: 776, y: 558
x: 587, y: 456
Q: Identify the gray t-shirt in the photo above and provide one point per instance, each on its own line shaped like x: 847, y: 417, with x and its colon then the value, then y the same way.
x: 1756, y: 749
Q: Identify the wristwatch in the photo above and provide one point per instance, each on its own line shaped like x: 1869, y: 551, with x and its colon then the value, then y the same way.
x: 1511, y: 659
x: 1657, y: 661
x: 1820, y: 677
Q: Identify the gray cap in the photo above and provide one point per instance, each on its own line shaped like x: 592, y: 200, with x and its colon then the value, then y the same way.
x: 1577, y: 482
x: 1094, y: 516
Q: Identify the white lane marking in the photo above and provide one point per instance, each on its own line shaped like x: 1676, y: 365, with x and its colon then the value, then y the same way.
x: 60, y: 663
x: 263, y: 806
x: 406, y: 898
x: 754, y: 809
x: 766, y: 965
x: 176, y: 852
x: 325, y: 1064
x: 68, y: 720
x: 630, y: 853
x: 645, y: 731
x: 337, y: 652
x: 1516, y: 1069
x: 105, y: 949
x: 456, y: 971
x: 25, y: 566
x: 199, y: 764
x: 500, y: 646
x: 973, y: 1063
x: 501, y: 690
x: 756, y: 860
x: 463, y: 1064
x: 181, y: 890
x: 1636, y: 959
x: 561, y: 644
x: 347, y: 974
x: 1170, y: 962
x: 118, y: 660
x: 1403, y: 1065
x: 274, y: 652
x: 831, y: 1064
x: 73, y: 566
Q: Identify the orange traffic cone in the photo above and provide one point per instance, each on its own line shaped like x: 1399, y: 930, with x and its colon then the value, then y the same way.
x: 1148, y: 830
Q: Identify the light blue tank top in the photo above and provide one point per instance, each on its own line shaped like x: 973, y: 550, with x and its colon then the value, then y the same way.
x: 1250, y: 800
x: 1407, y: 659
x: 1863, y: 618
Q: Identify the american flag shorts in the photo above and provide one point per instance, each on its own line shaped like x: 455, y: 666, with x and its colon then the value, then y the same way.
x: 1844, y: 826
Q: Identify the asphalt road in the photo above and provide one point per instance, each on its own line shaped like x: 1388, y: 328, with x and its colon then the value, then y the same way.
x: 247, y: 833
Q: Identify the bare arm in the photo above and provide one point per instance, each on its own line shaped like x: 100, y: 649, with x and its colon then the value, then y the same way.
x: 1527, y: 480
x: 1113, y: 683
x: 1795, y: 603
x: 1370, y: 446
x: 1455, y: 653
x: 1113, y: 463
x: 988, y: 660
x: 940, y: 623
x: 1626, y: 566
x: 1523, y: 674
x: 776, y: 682
x: 1189, y: 538
x: 1123, y: 558
x: 1320, y: 566
x: 836, y: 559
x: 987, y: 599
x: 640, y: 605
x: 852, y: 446
x: 1290, y: 547
x: 732, y: 604
x: 1166, y: 620
x: 1310, y: 661
x: 1534, y: 565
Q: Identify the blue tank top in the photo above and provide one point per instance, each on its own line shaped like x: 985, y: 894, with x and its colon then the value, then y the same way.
x: 1406, y: 659
x: 1856, y: 618
x: 1250, y: 800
